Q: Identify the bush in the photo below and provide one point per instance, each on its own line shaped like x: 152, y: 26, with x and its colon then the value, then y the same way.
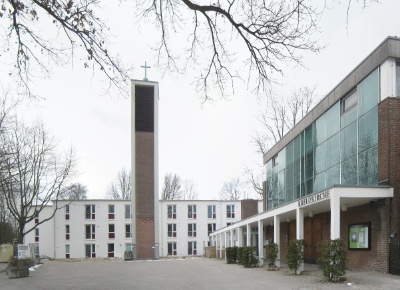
x: 240, y: 256
x: 333, y: 259
x: 231, y: 255
x: 248, y: 257
x: 295, y: 254
x: 272, y: 255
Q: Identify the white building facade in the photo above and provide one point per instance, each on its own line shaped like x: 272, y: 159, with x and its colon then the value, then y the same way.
x: 103, y: 228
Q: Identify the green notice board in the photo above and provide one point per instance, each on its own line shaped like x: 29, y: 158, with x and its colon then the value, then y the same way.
x: 360, y: 236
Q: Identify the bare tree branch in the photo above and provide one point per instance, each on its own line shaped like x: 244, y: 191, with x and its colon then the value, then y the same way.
x: 121, y: 187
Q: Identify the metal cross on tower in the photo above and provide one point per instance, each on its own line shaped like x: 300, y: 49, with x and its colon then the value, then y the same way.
x: 145, y: 66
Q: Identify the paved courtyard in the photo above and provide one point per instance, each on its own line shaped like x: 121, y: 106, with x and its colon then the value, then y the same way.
x: 198, y: 273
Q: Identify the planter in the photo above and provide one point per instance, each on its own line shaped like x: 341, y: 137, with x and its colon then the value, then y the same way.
x: 18, y: 268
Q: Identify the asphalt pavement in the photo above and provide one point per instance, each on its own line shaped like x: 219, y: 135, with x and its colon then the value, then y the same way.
x: 190, y: 273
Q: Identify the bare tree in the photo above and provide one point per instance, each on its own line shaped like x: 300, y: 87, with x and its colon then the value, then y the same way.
x: 271, y: 32
x: 120, y: 188
x: 188, y: 191
x: 231, y: 190
x: 32, y: 174
x: 71, y: 30
x: 281, y: 114
x: 172, y: 187
x: 74, y: 191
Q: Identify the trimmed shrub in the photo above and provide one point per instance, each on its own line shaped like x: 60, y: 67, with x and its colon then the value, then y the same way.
x: 248, y: 257
x: 333, y: 259
x: 231, y: 255
x: 295, y: 254
x: 272, y: 255
x: 240, y: 255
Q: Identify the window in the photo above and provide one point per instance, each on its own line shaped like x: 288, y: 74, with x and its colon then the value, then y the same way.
x: 211, y: 212
x: 230, y: 211
x: 90, y: 210
x: 350, y: 102
x: 191, y: 230
x: 111, y: 231
x: 67, y: 212
x: 36, y: 235
x: 110, y: 250
x: 128, y: 213
x: 111, y: 212
x: 128, y: 247
x: 67, y: 251
x: 228, y: 224
x: 171, y: 230
x: 172, y: 249
x: 211, y: 228
x: 36, y: 216
x: 192, y: 248
x: 67, y: 232
x: 275, y: 160
x: 128, y: 231
x: 90, y: 232
x: 172, y: 211
x: 90, y: 250
x: 191, y: 211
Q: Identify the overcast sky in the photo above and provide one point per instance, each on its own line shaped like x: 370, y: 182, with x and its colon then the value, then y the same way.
x: 207, y: 143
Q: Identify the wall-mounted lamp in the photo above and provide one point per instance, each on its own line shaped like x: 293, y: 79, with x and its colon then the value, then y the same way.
x: 311, y: 214
x: 344, y: 207
x: 288, y: 219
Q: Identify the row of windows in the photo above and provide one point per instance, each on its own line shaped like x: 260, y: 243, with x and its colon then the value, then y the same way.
x: 340, y: 147
x: 191, y: 230
x: 90, y: 232
x: 90, y: 250
x: 192, y: 211
x: 192, y: 248
x: 90, y: 212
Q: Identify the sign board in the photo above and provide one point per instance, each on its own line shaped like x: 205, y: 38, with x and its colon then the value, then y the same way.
x: 320, y: 196
x: 360, y: 236
x: 24, y: 252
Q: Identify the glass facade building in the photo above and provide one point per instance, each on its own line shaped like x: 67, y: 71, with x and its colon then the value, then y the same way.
x: 340, y: 147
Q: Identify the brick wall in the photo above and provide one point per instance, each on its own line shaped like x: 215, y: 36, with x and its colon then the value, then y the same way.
x: 249, y: 207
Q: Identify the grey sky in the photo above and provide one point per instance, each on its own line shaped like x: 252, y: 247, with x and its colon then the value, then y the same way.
x: 207, y: 143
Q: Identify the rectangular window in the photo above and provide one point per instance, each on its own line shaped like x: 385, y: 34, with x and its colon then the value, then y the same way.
x: 172, y: 249
x: 67, y: 212
x: 212, y: 212
x: 111, y: 212
x: 36, y: 235
x: 192, y: 248
x: 192, y: 211
x: 110, y: 250
x: 90, y: 232
x: 128, y: 247
x: 90, y: 210
x: 36, y: 216
x: 230, y: 211
x: 67, y: 232
x: 128, y: 231
x: 211, y: 228
x: 111, y: 231
x: 90, y: 250
x: 172, y: 211
x: 67, y: 251
x: 128, y: 212
x: 171, y: 230
x: 191, y: 230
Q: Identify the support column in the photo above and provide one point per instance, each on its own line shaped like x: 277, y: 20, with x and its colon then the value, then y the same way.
x: 220, y: 245
x: 261, y: 242
x: 335, y: 216
x: 277, y: 238
x: 240, y: 236
x: 225, y: 243
x: 248, y: 230
x: 300, y: 231
x: 231, y: 238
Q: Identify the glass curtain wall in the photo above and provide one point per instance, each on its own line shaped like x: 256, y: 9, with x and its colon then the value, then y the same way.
x: 340, y: 147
